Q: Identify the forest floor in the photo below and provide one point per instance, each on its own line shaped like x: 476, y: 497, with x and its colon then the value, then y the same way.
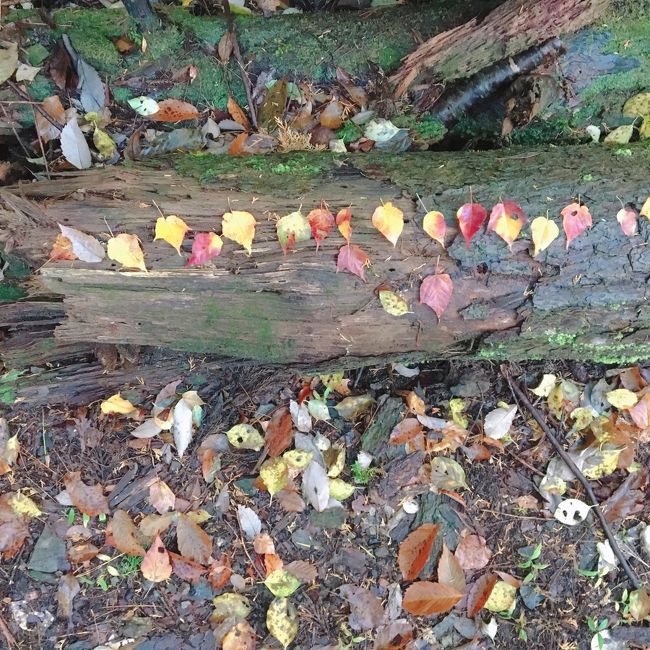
x: 341, y: 572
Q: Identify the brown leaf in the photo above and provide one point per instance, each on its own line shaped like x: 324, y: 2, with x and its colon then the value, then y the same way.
x: 427, y: 598
x: 13, y: 533
x: 80, y: 553
x: 54, y: 108
x: 332, y: 115
x: 479, y: 593
x: 415, y: 550
x: 366, y: 611
x: 628, y: 499
x: 450, y: 572
x: 279, y: 432
x: 472, y: 552
x: 237, y: 113
x: 273, y: 105
x: 185, y: 569
x: 240, y: 637
x: 156, y: 565
x: 306, y: 572
x: 174, y: 110
x: 161, y: 497
x: 397, y: 635
x: 193, y: 542
x: 68, y: 588
x: 219, y: 572
x: 224, y: 50
x: 89, y: 499
x: 125, y: 535
x: 263, y: 544
x: 405, y: 431
x: 153, y: 525
x: 209, y: 455
x: 290, y: 501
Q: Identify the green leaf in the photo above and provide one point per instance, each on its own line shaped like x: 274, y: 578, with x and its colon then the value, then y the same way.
x: 281, y: 583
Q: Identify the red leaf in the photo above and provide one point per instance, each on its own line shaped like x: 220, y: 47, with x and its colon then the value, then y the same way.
x: 352, y: 259
x: 321, y: 221
x: 435, y: 292
x: 428, y: 598
x: 279, y: 433
x: 414, y: 551
x: 626, y: 216
x: 343, y: 223
x: 470, y: 218
x: 506, y: 220
x: 479, y: 593
x: 219, y: 572
x: 205, y: 247
x: 174, y: 110
x: 185, y: 569
x: 576, y: 219
x: 450, y: 572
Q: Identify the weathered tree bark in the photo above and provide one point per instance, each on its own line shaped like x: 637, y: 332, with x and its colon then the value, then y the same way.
x: 587, y: 302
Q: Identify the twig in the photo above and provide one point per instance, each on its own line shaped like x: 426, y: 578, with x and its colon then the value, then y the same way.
x: 521, y: 395
x: 42, y: 146
x: 11, y: 642
x: 36, y: 105
x: 237, y: 52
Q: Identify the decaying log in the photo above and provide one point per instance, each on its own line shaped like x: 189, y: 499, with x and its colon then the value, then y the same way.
x: 587, y: 302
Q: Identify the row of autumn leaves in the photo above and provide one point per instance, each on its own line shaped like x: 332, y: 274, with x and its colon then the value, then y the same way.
x: 506, y: 219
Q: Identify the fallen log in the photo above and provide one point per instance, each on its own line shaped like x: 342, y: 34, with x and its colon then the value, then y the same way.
x: 585, y: 302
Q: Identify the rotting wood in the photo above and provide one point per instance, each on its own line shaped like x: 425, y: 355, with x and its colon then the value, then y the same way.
x: 588, y: 302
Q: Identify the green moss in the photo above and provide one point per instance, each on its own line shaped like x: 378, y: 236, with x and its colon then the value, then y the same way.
x: 36, y: 54
x: 41, y: 88
x: 561, y: 340
x: 164, y: 42
x: 121, y: 94
x: 426, y: 129
x: 555, y: 130
x: 349, y: 132
x: 206, y: 28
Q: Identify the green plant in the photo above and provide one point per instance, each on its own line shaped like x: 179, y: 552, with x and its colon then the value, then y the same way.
x: 362, y: 475
x: 7, y: 393
x: 530, y: 554
x: 623, y: 605
x: 597, y: 628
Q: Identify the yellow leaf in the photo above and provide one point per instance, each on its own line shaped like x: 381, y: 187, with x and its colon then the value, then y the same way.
x: 245, y: 436
x: 9, y: 454
x: 620, y: 135
x: 229, y: 605
x: 171, y: 229
x: 281, y: 583
x: 126, y: 250
x: 545, y: 386
x: 457, y: 407
x: 645, y: 210
x: 282, y: 621
x: 104, y: 143
x: 603, y: 463
x: 502, y: 597
x: 545, y: 231
x: 340, y: 490
x: 291, y: 229
x: 298, y: 458
x: 622, y: 398
x: 389, y: 220
x: 334, y: 460
x: 644, y: 129
x: 240, y: 227
x: 198, y: 516
x: 393, y: 304
x: 117, y: 405
x: 637, y: 105
x: 434, y: 225
x: 21, y: 504
x: 275, y: 474
x: 582, y: 417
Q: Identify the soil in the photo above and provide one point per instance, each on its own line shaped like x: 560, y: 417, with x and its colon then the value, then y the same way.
x: 362, y: 550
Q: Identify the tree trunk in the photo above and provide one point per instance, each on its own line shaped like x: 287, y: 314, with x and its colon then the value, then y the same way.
x: 585, y: 302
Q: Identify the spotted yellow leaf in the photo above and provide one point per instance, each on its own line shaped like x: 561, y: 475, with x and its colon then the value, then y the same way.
x: 544, y: 231
x: 275, y: 474
x: 282, y: 621
x: 502, y: 597
x: 281, y: 583
x: 637, y: 106
x: 245, y: 436
x: 171, y: 229
x: 389, y: 220
x: 240, y: 227
x: 126, y: 250
x: 393, y: 304
x: 298, y: 458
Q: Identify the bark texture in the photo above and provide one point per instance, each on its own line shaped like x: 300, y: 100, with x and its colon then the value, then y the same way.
x: 587, y: 302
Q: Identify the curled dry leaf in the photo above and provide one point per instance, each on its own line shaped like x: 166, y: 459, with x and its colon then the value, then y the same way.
x: 428, y: 598
x: 54, y: 108
x: 237, y: 113
x: 450, y: 572
x: 84, y: 247
x: 321, y: 222
x: 332, y: 115
x: 315, y: 485
x: 415, y: 550
x: 89, y: 499
x: 279, y: 433
x: 156, y: 565
x: 575, y: 220
x: 224, y: 50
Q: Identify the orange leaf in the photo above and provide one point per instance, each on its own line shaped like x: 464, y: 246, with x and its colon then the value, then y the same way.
x: 156, y: 565
x: 193, y: 542
x: 414, y: 551
x: 576, y: 219
x: 174, y: 110
x: 435, y: 292
x: 507, y: 219
x: 237, y: 114
x: 62, y: 249
x: 240, y: 227
x: 54, y: 108
x: 405, y: 431
x: 352, y: 259
x: 186, y: 570
x: 428, y: 598
x: 450, y: 572
x: 219, y: 572
x: 626, y: 216
x: 89, y: 499
x: 470, y: 218
x: 236, y: 147
x: 240, y: 637
x: 332, y: 115
x: 434, y: 225
x: 479, y: 593
x: 279, y: 432
x: 321, y: 221
x: 343, y: 223
x: 125, y: 534
x: 389, y: 220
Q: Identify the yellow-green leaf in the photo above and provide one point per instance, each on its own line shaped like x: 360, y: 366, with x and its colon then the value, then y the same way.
x: 298, y: 458
x: 393, y: 304
x: 502, y: 597
x: 291, y: 229
x: 104, y: 143
x: 229, y: 605
x: 620, y: 135
x: 282, y: 621
x: 281, y: 583
x: 171, y: 229
x: 21, y: 504
x: 126, y: 250
x: 622, y: 398
x: 245, y: 436
x: 637, y: 105
x: 457, y: 408
x: 340, y: 490
x: 275, y: 474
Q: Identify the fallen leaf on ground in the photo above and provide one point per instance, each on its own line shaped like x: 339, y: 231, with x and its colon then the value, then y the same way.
x: 627, y: 217
x: 575, y: 220
x: 470, y: 218
x: 279, y: 432
x: 240, y: 227
x: 125, y: 535
x: 275, y: 474
x: 161, y: 497
x: 352, y: 407
x: 479, y: 593
x: 622, y: 398
x: 8, y: 59
x: 428, y: 598
x: 435, y: 226
x: 447, y: 474
x: 45, y: 129
x: 186, y: 569
x: 144, y: 106
x: 389, y: 221
x: 205, y: 247
x: 292, y: 228
x: 352, y: 259
x: 68, y: 588
x: 392, y: 303
x: 171, y: 229
x: 544, y: 232
x: 415, y: 550
x: 174, y: 110
x: 571, y: 512
x: 156, y: 565
x: 450, y: 572
x: 74, y: 146
x: 89, y: 499
x: 366, y: 611
x: 435, y: 292
x: 249, y: 522
x: 282, y: 621
x: 306, y: 572
x: 300, y: 416
x: 126, y: 250
x: 497, y: 423
x: 84, y: 247
x: 219, y: 572
x: 9, y: 448
x: 193, y: 542
x: 315, y: 485
x: 472, y: 552
x: 281, y: 583
x: 506, y: 220
x: 240, y: 637
x: 116, y: 404
x: 502, y: 597
x: 321, y: 221
x: 228, y: 606
x: 344, y: 217
x: 332, y: 115
x: 245, y: 436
